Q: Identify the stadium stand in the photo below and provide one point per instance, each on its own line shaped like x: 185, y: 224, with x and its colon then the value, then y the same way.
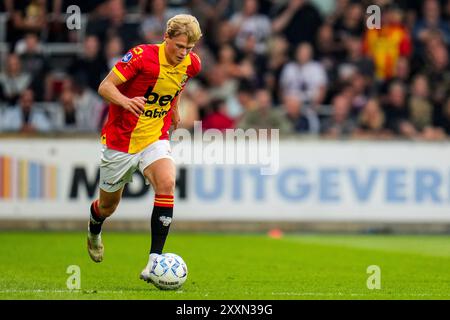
x: 318, y: 53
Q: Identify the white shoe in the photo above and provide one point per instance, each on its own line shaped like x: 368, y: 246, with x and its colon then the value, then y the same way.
x: 95, y: 246
x: 145, y: 274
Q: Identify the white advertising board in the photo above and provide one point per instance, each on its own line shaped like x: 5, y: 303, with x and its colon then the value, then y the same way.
x: 315, y: 181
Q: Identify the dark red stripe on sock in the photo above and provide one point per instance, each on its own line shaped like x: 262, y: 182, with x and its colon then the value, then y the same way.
x: 163, y: 196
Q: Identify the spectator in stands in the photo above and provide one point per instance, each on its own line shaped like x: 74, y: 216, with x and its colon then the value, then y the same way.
x: 222, y: 86
x: 351, y: 23
x: 420, y: 107
x: 117, y: 26
x: 242, y: 56
x: 13, y: 81
x: 437, y: 70
x: 403, y: 70
x: 251, y: 26
x: 217, y: 117
x: 265, y: 116
x: 189, y: 110
x: 153, y: 26
x: 253, y: 68
x: 32, y: 60
x: 339, y: 10
x: 387, y: 44
x: 247, y: 31
x: 443, y: 120
x: 113, y: 51
x: 25, y: 117
x: 91, y: 67
x: 76, y: 112
x: 432, y: 42
x: 57, y: 30
x: 91, y: 7
x: 402, y: 74
x: 25, y: 16
x: 68, y: 117
x: 360, y: 92
x: 88, y: 105
x: 208, y: 59
x: 340, y: 124
x: 245, y: 100
x: 356, y: 58
x: 430, y: 24
x: 328, y: 52
x: 303, y: 120
x: 227, y: 60
x: 277, y: 59
x: 222, y: 34
x: 205, y: 11
x: 297, y: 20
x: 209, y: 13
x: 113, y: 24
x: 200, y: 96
x: 304, y: 77
x: 30, y: 43
x: 371, y: 121
x: 421, y: 110
x: 98, y: 9
x: 396, y: 111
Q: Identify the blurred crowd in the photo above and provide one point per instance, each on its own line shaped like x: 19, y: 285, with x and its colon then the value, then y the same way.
x: 292, y: 65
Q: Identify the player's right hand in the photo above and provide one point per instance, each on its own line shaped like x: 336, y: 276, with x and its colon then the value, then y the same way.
x: 135, y: 105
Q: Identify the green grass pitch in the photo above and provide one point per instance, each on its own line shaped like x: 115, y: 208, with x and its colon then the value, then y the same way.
x: 33, y: 265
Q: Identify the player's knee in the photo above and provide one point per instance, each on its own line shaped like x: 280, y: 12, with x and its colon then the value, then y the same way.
x: 165, y: 186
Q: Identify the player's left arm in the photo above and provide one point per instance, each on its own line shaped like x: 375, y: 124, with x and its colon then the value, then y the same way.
x: 175, y: 113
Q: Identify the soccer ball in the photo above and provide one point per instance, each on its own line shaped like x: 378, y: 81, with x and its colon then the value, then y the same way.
x: 168, y: 271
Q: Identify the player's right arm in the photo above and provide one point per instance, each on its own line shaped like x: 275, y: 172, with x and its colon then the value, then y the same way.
x: 109, y: 91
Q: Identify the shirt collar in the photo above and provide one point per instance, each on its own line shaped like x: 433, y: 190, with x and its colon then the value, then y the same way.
x: 162, y: 55
x: 163, y: 58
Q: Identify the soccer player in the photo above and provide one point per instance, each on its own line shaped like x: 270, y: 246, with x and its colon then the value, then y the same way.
x: 144, y: 90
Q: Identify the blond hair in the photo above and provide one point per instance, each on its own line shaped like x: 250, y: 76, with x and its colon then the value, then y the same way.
x: 184, y: 24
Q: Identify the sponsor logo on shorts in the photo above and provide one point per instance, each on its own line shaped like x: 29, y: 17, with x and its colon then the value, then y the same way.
x: 111, y: 184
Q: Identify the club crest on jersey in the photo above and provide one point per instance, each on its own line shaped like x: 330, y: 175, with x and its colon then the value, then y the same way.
x: 127, y: 57
x: 184, y: 79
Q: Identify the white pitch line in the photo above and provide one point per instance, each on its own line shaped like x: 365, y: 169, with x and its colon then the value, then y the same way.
x: 72, y: 291
x: 60, y: 291
x: 356, y: 294
x: 273, y: 293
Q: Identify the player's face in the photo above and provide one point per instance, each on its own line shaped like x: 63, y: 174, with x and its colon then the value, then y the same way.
x: 177, y: 48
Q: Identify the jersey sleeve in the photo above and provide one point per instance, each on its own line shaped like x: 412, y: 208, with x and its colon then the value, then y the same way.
x: 195, y: 66
x: 130, y: 65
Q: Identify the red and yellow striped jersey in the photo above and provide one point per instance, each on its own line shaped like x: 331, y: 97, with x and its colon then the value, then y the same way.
x: 146, y: 72
x: 385, y: 46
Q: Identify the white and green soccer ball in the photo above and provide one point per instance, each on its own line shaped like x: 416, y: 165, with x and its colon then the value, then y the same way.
x: 168, y: 271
